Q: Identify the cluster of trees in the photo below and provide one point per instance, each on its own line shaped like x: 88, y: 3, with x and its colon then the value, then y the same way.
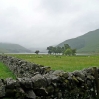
x: 65, y: 50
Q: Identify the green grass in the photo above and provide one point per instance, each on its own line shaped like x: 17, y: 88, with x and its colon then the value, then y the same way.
x: 66, y: 63
x: 5, y: 72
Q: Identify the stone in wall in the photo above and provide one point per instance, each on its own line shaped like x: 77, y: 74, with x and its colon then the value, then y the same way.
x: 2, y: 88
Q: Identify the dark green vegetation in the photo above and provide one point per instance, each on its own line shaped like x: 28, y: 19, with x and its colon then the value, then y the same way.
x: 12, y: 48
x: 88, y: 43
x: 5, y: 72
x: 58, y: 62
x: 37, y: 51
x: 65, y: 50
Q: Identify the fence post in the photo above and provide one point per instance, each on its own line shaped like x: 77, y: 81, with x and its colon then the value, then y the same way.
x: 96, y: 81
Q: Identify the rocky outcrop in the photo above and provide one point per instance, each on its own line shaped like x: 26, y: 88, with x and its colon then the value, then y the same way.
x: 38, y: 82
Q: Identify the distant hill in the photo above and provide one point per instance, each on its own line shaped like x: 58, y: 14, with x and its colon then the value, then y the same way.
x: 87, y: 43
x: 12, y: 48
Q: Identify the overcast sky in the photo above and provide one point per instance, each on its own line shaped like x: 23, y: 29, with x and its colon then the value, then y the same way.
x: 41, y: 23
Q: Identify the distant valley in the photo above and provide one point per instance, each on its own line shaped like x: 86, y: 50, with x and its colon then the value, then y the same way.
x: 87, y: 43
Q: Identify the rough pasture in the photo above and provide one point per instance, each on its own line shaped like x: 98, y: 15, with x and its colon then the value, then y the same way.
x: 60, y: 62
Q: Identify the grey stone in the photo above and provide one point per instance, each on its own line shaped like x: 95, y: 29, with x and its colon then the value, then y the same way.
x: 10, y: 83
x: 30, y: 94
x: 41, y: 92
x: 39, y: 81
x: 25, y: 82
x: 2, y: 89
x: 58, y: 72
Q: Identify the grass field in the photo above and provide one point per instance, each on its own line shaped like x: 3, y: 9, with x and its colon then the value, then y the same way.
x: 5, y: 72
x: 66, y: 63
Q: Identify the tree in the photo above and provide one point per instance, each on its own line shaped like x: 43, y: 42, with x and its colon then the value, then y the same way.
x: 59, y: 50
x: 54, y: 50
x: 66, y: 46
x: 37, y: 51
x: 50, y: 49
x: 73, y: 51
x: 68, y: 52
x: 49, y: 52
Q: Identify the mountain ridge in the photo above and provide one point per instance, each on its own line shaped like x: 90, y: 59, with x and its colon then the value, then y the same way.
x: 87, y: 43
x: 13, y: 48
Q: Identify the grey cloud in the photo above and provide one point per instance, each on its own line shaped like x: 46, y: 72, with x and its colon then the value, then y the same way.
x: 60, y: 6
x: 54, y: 6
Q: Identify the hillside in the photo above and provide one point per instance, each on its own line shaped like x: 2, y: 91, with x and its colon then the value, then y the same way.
x: 12, y: 48
x: 87, y: 43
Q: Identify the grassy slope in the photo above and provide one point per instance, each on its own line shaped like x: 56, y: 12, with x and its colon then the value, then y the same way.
x: 85, y: 43
x: 92, y: 42
x: 2, y: 50
x: 6, y: 47
x: 5, y: 72
x: 62, y: 62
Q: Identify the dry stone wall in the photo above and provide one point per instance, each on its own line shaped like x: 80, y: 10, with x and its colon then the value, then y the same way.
x: 40, y: 82
x: 23, y: 68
